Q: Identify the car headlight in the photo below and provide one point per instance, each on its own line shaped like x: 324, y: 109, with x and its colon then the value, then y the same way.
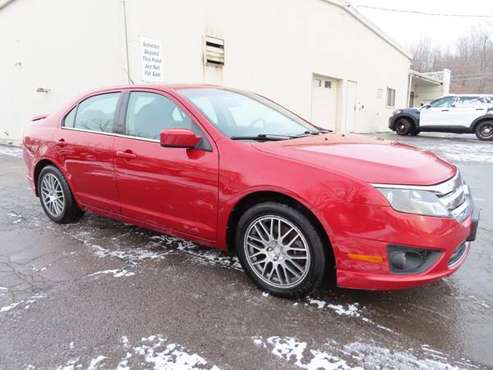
x: 419, y: 202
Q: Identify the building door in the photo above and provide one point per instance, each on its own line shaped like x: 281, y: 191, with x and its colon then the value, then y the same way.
x: 324, y: 102
x: 351, y: 105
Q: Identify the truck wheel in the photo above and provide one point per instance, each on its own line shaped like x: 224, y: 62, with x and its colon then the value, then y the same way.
x: 484, y: 131
x: 281, y: 250
x: 404, y: 127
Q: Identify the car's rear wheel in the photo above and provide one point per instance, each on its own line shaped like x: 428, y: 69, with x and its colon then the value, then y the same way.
x: 404, y: 127
x: 484, y: 131
x: 281, y: 250
x: 56, y: 197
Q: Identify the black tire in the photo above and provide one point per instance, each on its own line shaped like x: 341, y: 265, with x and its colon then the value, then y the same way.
x: 484, y: 131
x: 404, y: 127
x: 319, y: 255
x: 70, y: 210
x: 414, y: 132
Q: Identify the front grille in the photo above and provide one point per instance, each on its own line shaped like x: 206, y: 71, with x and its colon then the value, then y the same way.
x: 454, y: 195
x: 458, y: 253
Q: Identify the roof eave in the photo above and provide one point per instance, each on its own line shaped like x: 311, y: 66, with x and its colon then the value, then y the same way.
x: 370, y: 25
x: 4, y: 3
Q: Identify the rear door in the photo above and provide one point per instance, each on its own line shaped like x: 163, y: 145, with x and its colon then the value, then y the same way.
x: 437, y: 113
x: 85, y: 147
x: 466, y: 109
x: 174, y: 189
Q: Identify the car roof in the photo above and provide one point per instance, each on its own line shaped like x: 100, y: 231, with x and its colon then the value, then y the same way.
x: 469, y: 95
x: 157, y: 87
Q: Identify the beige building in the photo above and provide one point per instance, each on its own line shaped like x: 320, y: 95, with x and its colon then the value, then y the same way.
x: 320, y: 58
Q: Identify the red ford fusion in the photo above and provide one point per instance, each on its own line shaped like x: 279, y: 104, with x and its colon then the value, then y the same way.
x: 233, y: 170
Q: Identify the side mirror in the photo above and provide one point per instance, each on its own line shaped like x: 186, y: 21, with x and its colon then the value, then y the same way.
x: 179, y: 138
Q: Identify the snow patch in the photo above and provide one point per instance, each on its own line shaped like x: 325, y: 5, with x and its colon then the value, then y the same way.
x: 11, y: 151
x: 26, y: 302
x: 117, y: 273
x: 206, y: 256
x: 133, y: 255
x: 373, y: 356
x: 156, y: 351
x: 93, y: 365
x: 366, y: 356
x: 294, y: 351
x: 351, y: 310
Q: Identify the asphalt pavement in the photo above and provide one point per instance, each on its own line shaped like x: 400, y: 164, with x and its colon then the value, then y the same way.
x: 100, y: 294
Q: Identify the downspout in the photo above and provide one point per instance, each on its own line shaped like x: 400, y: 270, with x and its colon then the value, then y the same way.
x: 125, y: 35
x: 4, y: 3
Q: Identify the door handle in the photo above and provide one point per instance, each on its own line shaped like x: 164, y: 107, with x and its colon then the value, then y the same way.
x: 479, y: 109
x: 61, y: 143
x: 127, y: 154
x: 445, y: 110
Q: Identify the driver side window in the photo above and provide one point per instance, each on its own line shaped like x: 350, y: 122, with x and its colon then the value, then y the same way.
x: 148, y: 114
x: 443, y: 102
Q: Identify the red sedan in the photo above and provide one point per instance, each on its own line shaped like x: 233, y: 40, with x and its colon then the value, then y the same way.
x: 235, y: 171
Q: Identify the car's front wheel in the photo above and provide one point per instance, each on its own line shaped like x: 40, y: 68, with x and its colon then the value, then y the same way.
x: 484, y: 131
x: 56, y: 198
x: 404, y: 127
x: 281, y: 250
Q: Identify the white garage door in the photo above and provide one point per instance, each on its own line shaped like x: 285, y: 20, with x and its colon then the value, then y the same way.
x: 324, y: 102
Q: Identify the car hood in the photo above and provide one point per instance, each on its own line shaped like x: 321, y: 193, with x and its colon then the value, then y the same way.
x: 371, y: 160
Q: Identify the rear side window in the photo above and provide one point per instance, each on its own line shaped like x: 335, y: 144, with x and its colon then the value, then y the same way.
x: 96, y: 113
x: 70, y: 118
x: 148, y: 114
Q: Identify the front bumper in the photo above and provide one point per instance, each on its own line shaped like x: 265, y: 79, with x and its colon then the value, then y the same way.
x: 372, y: 276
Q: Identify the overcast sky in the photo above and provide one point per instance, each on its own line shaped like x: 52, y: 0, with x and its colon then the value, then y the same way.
x: 407, y: 29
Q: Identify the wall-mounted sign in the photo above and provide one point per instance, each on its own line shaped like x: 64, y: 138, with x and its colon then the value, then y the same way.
x: 379, y: 93
x: 151, y: 59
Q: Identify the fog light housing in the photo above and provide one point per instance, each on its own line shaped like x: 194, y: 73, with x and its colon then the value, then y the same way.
x: 404, y: 260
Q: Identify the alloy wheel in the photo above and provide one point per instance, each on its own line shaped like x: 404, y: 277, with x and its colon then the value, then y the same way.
x: 277, y: 251
x: 52, y: 195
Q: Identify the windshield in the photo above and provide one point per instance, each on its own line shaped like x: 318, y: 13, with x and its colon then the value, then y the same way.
x: 243, y: 115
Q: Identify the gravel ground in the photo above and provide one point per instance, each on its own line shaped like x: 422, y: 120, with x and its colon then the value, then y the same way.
x: 101, y: 294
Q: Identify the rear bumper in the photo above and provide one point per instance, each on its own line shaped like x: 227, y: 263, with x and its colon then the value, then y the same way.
x: 370, y: 276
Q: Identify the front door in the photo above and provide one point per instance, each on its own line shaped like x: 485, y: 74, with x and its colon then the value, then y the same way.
x: 324, y: 102
x: 350, y: 105
x: 86, y: 150
x: 438, y: 112
x: 173, y: 189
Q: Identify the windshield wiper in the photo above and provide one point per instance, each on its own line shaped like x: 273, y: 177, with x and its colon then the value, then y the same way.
x: 262, y: 137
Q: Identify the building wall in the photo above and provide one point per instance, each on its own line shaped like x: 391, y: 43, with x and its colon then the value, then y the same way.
x: 65, y: 47
x: 272, y: 47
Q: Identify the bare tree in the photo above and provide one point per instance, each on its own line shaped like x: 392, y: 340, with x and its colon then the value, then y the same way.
x: 470, y: 60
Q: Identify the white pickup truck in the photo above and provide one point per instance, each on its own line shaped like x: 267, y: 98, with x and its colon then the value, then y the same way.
x: 451, y: 113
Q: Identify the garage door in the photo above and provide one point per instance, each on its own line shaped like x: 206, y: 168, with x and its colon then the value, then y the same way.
x: 324, y: 102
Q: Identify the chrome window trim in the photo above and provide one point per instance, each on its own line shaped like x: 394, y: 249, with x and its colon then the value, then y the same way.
x: 111, y: 134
